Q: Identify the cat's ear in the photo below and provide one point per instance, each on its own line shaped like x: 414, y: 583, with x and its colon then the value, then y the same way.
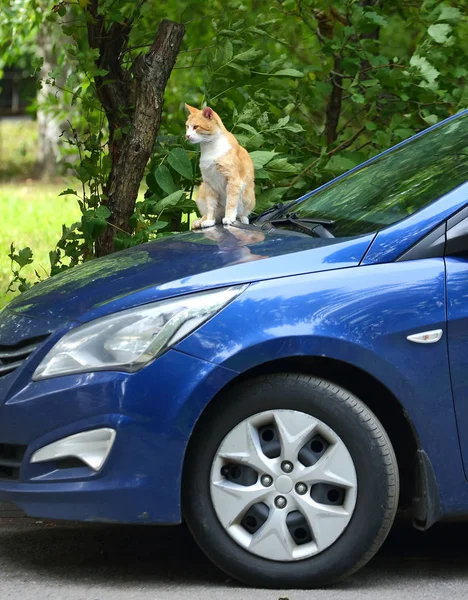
x: 190, y: 109
x: 207, y: 112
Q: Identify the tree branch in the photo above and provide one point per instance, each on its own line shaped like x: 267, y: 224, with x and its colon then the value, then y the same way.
x: 342, y: 146
x: 347, y: 142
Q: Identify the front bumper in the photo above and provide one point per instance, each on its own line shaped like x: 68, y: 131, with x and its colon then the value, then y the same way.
x: 153, y: 413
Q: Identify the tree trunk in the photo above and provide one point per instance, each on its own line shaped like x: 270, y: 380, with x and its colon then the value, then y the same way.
x: 333, y: 110
x: 133, y: 105
x: 49, y: 126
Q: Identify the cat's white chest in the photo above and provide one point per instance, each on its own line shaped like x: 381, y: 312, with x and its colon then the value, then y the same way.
x: 210, y: 153
x: 215, y: 179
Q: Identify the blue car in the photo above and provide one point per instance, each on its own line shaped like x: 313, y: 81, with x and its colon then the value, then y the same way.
x: 285, y: 388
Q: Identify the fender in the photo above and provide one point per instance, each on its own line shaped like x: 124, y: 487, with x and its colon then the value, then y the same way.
x: 340, y: 315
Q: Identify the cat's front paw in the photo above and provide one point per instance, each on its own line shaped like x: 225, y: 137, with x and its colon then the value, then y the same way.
x: 208, y: 223
x: 228, y: 221
x: 197, y: 224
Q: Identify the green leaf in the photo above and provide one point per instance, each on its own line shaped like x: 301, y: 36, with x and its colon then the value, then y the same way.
x: 378, y: 61
x: 370, y: 82
x: 262, y: 174
x: 460, y: 71
x: 374, y: 17
x: 283, y: 121
x: 180, y: 162
x: 358, y: 98
x: 261, y: 157
x: 68, y: 191
x: 294, y: 127
x: 429, y: 72
x: 158, y: 225
x: 440, y: 32
x: 241, y: 68
x: 287, y: 73
x: 102, y: 212
x: 431, y: 119
x: 403, y: 133
x: 164, y: 179
x: 339, y: 164
x: 219, y: 56
x: 93, y: 222
x: 256, y: 30
x: 170, y: 200
x: 24, y: 257
x: 249, y: 112
x: 281, y: 165
x: 370, y: 126
x: 247, y: 55
x: 450, y: 13
x: 228, y: 51
x: 248, y: 128
x: 251, y: 140
x: 54, y: 257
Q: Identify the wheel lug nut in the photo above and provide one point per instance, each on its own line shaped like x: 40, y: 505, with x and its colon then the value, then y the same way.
x: 225, y: 471
x: 287, y: 466
x: 266, y: 480
x: 301, y: 488
x: 280, y: 502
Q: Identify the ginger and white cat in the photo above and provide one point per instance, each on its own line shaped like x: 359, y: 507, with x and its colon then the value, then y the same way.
x: 227, y: 193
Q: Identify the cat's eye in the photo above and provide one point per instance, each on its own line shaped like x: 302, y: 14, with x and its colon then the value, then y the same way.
x: 195, y: 126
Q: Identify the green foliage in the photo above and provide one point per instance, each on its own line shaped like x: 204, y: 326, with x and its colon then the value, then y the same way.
x: 18, y: 143
x: 32, y: 214
x: 271, y: 76
x: 310, y: 89
x: 18, y: 262
x: 168, y: 202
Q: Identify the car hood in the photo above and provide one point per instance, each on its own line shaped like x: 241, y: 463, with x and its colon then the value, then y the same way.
x: 179, y: 264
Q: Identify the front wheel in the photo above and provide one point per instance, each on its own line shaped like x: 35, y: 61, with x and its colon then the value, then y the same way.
x: 290, y: 482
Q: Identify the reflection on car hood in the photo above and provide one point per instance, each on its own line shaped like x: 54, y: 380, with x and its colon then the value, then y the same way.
x: 182, y: 263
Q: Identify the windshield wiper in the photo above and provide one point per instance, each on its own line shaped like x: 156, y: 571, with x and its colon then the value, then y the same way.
x: 319, y: 226
x: 270, y: 213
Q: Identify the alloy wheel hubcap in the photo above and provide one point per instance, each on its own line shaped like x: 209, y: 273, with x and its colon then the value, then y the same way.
x: 283, y: 485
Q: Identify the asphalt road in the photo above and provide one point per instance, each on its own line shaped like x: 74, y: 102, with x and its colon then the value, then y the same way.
x: 70, y: 561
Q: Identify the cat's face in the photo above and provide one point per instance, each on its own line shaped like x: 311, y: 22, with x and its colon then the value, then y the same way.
x: 201, y: 125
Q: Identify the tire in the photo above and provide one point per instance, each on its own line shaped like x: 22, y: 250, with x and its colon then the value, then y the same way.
x: 369, y: 498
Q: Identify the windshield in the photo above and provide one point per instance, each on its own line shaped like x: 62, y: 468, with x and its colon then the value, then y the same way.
x: 394, y: 186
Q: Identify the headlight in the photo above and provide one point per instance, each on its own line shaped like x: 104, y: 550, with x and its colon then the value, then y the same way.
x: 130, y: 339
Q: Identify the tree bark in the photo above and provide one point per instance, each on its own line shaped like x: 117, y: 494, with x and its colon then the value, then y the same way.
x: 333, y: 110
x: 49, y: 126
x: 133, y: 104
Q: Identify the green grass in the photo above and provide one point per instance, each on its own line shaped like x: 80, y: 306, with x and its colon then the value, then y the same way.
x: 18, y: 148
x: 31, y: 214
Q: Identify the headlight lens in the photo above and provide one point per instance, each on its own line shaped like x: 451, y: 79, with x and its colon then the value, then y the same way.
x: 130, y: 339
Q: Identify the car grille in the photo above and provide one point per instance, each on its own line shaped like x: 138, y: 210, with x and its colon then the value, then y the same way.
x: 11, y: 457
x: 11, y: 357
